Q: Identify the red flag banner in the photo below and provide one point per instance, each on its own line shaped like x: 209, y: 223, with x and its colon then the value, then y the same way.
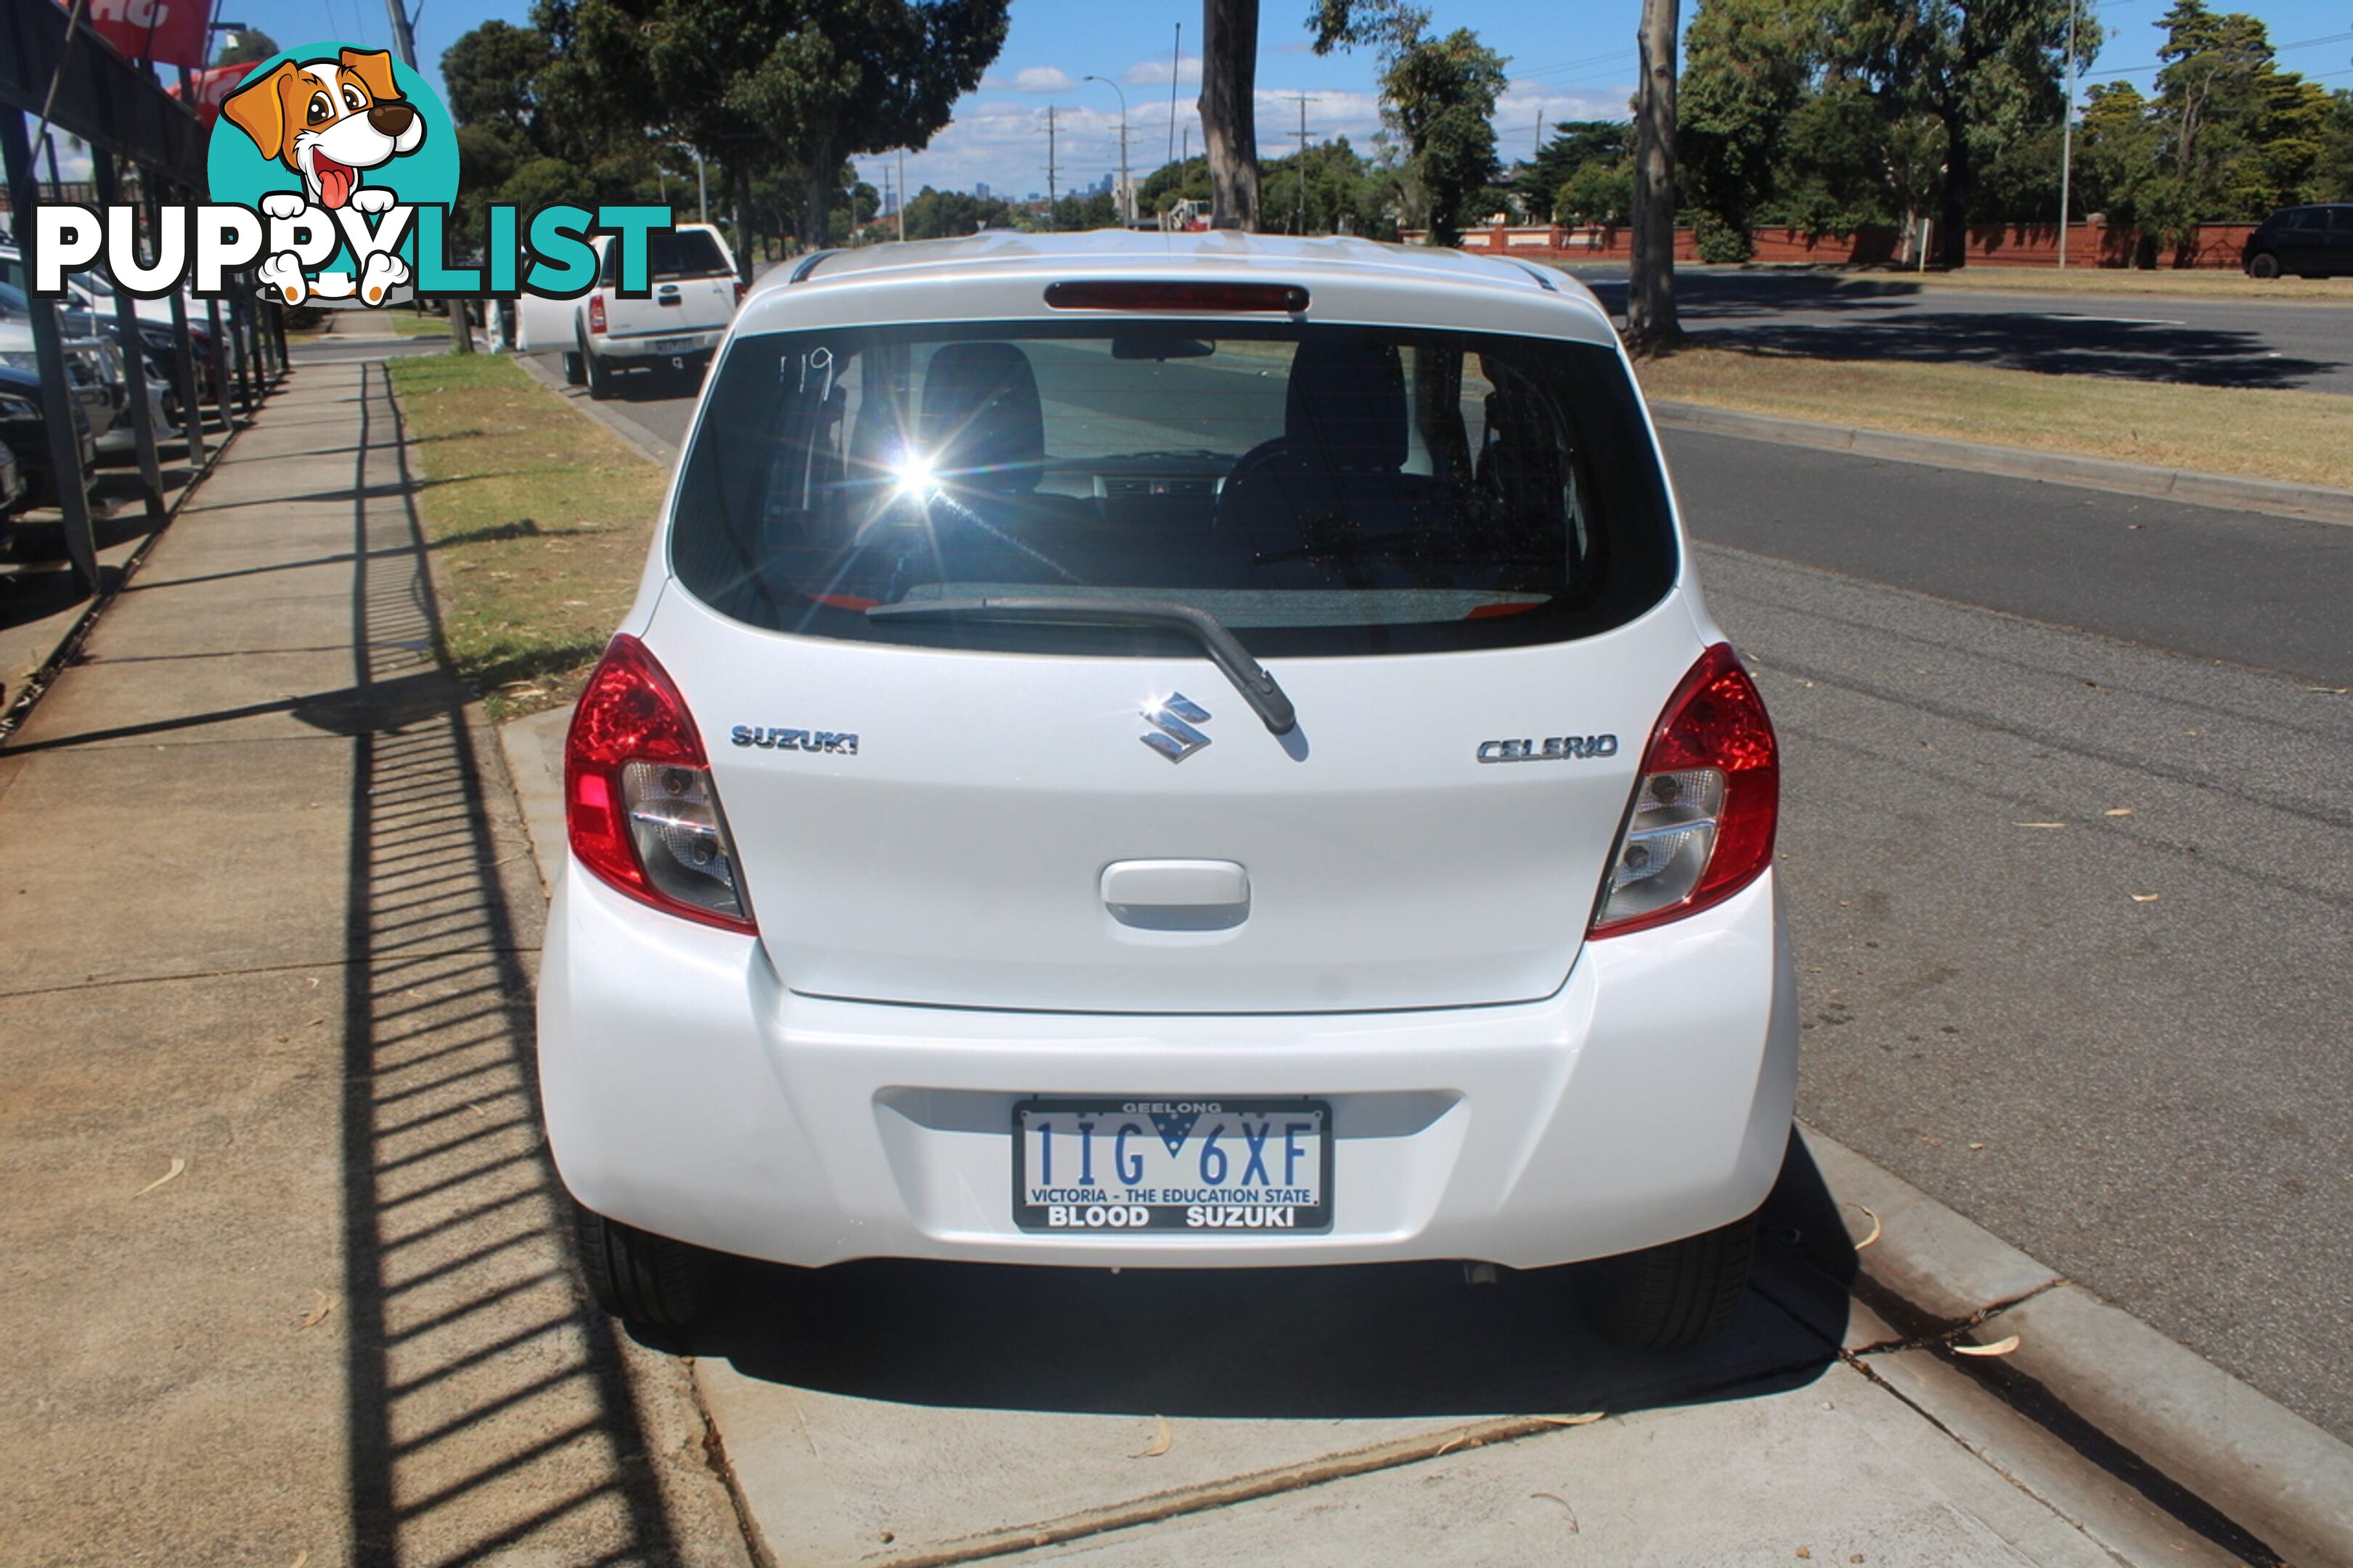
x: 169, y: 32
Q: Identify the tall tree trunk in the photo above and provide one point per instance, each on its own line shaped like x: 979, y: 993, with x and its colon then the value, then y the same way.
x: 1651, y: 291
x: 1953, y: 210
x: 1229, y: 114
x: 817, y: 190
x: 739, y: 198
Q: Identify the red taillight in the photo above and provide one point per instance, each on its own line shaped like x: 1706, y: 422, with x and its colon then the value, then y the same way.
x: 739, y: 290
x: 639, y: 804
x: 1113, y: 294
x: 596, y: 313
x: 1704, y: 809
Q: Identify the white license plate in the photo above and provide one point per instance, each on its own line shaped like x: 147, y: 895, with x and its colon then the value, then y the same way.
x: 1262, y: 1166
x: 673, y: 345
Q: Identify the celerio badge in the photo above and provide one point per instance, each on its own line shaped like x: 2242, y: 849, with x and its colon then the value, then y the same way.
x: 1551, y: 749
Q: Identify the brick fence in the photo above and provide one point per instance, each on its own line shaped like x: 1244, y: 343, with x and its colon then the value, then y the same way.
x: 2012, y: 245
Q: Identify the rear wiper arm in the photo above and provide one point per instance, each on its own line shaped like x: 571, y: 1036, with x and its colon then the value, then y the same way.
x: 1225, y: 650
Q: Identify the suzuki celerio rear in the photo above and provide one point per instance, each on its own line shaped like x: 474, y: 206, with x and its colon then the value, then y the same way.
x: 1183, y: 750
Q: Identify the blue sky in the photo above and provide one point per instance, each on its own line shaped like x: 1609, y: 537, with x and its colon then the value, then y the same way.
x: 1570, y: 59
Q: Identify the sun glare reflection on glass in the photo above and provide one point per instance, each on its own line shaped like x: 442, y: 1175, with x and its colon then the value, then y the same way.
x: 916, y: 479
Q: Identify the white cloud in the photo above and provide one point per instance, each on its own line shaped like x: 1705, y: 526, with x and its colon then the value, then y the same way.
x: 1523, y: 103
x: 1155, y: 73
x: 1033, y: 79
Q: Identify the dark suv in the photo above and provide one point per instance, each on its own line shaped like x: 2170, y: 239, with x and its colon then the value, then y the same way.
x: 2311, y: 242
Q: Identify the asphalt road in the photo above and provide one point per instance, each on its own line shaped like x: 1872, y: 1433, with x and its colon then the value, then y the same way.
x: 2118, y: 1043
x: 2254, y: 342
x: 2145, y: 1092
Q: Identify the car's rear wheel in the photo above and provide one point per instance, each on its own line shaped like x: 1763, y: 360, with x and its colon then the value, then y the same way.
x: 1672, y: 1297
x: 600, y: 376
x: 647, y: 1280
x: 573, y: 371
x: 2263, y: 264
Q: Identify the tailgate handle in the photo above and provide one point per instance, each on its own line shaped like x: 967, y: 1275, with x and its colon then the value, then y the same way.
x: 1177, y: 895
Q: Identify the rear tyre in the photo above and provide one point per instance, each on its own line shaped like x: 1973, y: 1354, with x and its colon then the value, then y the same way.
x: 646, y: 1281
x: 1673, y: 1296
x: 572, y: 373
x: 2263, y: 264
x: 600, y: 378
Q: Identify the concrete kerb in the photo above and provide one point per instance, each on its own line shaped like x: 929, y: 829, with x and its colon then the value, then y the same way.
x: 2312, y: 502
x: 2256, y: 1463
x: 2266, y: 1470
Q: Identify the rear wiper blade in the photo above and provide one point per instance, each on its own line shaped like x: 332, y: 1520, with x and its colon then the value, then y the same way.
x: 1225, y: 650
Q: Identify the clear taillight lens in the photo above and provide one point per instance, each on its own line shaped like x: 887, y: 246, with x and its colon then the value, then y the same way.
x: 639, y: 806
x: 680, y: 836
x: 1705, y: 811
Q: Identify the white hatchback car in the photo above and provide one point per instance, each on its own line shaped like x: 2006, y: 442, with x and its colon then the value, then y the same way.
x: 949, y: 880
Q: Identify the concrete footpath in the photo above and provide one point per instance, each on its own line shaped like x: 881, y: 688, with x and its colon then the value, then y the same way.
x: 286, y: 1282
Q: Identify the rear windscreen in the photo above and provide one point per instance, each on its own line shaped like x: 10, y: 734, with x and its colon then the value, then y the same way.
x: 1318, y: 488
x: 671, y: 255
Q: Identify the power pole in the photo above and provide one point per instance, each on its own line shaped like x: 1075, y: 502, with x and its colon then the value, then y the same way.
x: 902, y: 195
x: 1300, y: 225
x: 2067, y: 138
x: 1126, y: 203
x: 1176, y: 60
x: 1050, y: 166
x: 404, y: 45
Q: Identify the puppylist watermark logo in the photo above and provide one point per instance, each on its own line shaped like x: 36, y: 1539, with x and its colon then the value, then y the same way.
x: 332, y: 172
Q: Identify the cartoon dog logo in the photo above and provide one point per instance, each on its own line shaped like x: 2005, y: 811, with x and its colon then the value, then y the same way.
x: 330, y: 121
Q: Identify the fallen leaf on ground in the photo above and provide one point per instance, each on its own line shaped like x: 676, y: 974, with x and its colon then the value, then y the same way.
x: 2117, y: 810
x: 1555, y: 1497
x: 1976, y: 1145
x: 1867, y: 1240
x: 1805, y: 1552
x: 1587, y: 1419
x: 1162, y: 1438
x: 2000, y: 1347
x: 319, y: 1309
x: 301, y: 1558
x: 2037, y: 825
x: 2144, y: 897
x: 178, y: 1166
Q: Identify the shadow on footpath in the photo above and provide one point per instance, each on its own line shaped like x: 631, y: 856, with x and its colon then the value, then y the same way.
x: 487, y: 1409
x: 1362, y: 1341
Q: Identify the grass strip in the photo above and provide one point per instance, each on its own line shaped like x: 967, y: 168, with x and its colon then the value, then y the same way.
x: 537, y: 519
x: 2298, y: 437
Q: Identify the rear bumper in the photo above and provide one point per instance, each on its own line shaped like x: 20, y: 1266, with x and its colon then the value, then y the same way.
x: 688, y: 1093
x: 640, y: 346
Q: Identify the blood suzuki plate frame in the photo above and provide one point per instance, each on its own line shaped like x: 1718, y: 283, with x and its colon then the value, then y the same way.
x: 1172, y: 1164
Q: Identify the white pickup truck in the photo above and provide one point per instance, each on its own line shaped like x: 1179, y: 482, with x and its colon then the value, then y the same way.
x: 694, y: 293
